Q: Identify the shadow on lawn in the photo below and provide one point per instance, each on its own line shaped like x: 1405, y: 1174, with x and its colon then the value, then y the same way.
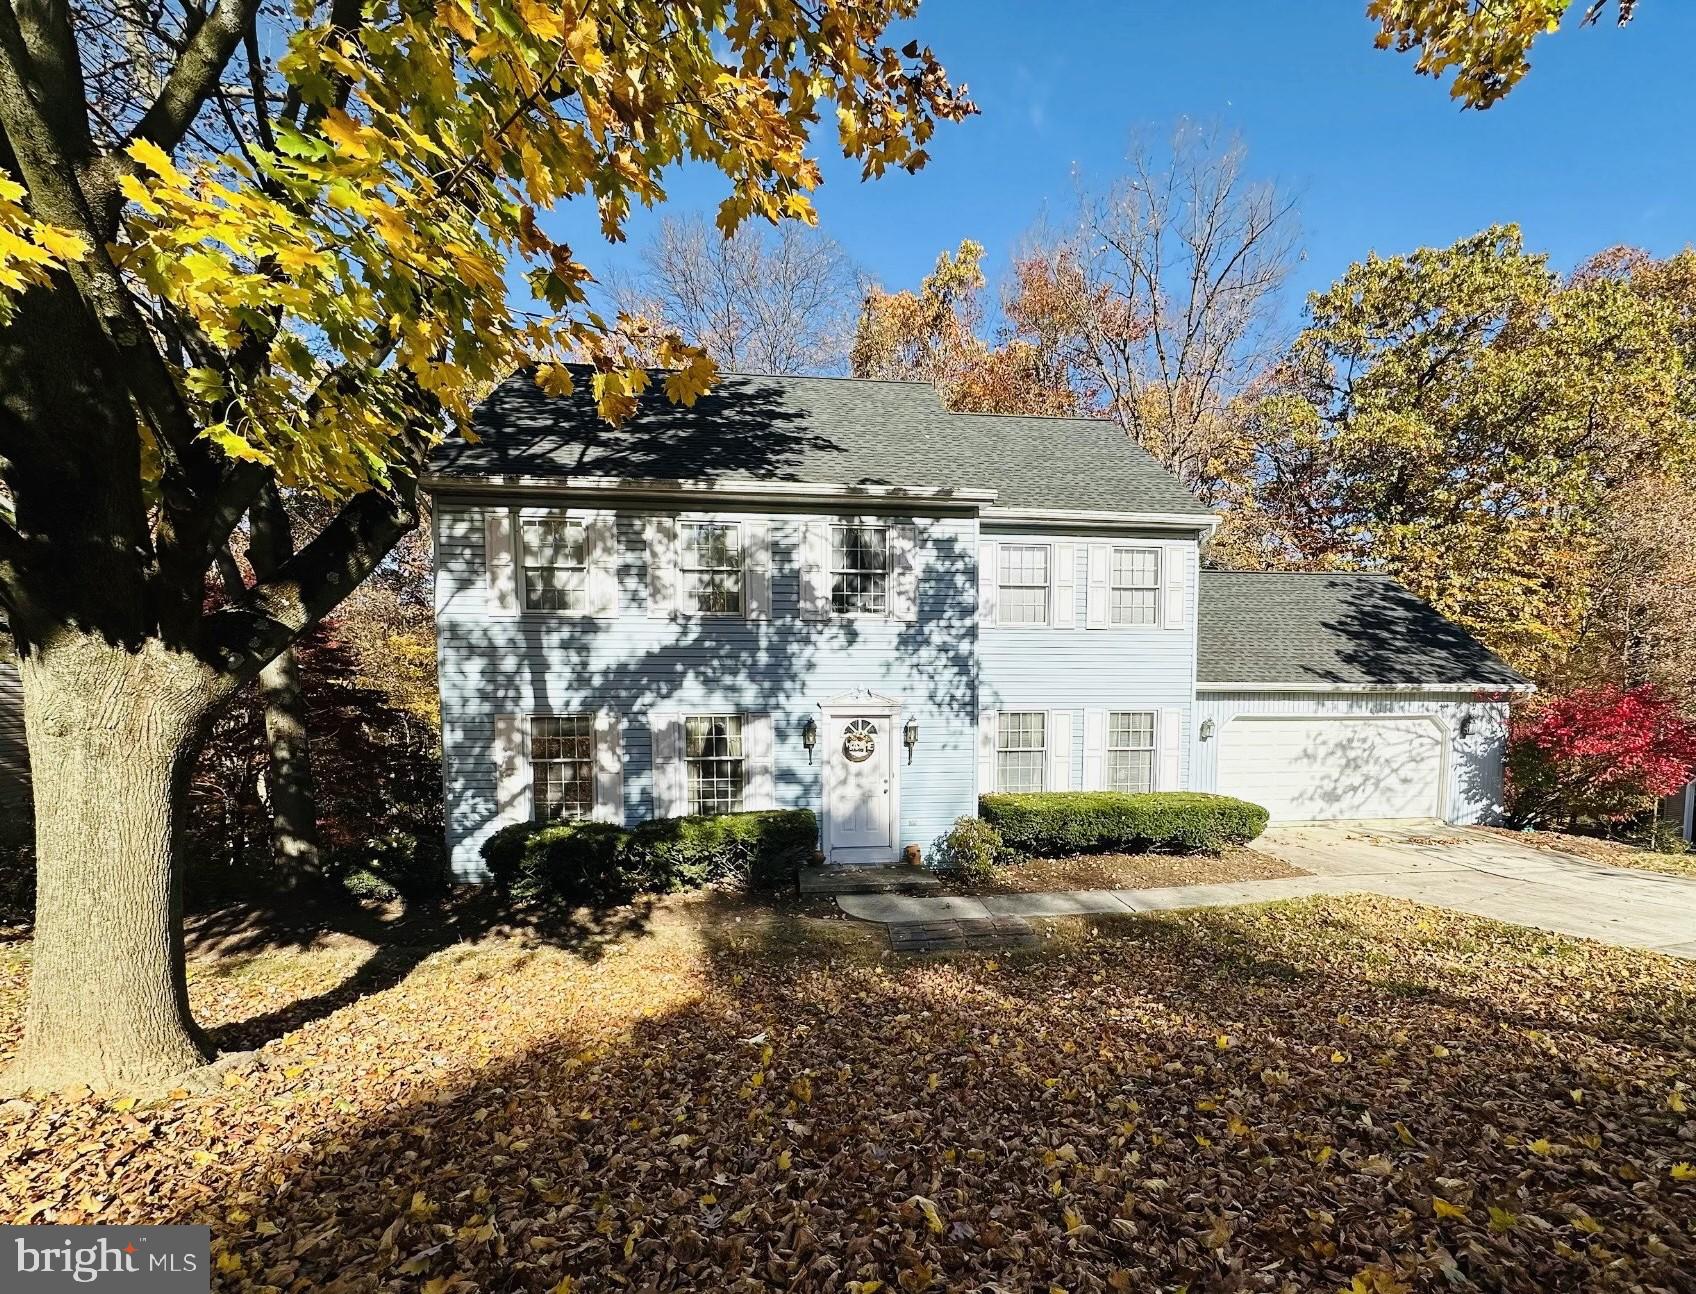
x: 400, y: 938
x: 775, y: 1131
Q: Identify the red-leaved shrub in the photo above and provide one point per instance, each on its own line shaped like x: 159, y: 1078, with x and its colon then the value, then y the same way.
x: 1605, y: 753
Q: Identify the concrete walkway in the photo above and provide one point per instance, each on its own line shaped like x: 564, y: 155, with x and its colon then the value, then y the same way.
x: 1469, y: 871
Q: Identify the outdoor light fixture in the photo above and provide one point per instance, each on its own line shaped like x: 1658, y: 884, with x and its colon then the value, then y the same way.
x: 810, y: 737
x: 910, y: 735
x: 1466, y: 725
x: 1207, y: 730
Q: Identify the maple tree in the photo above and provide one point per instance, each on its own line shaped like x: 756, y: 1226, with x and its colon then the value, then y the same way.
x: 1487, y: 43
x: 306, y: 293
x: 1605, y: 753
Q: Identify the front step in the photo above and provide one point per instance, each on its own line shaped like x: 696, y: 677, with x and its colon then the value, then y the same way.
x: 965, y: 934
x: 828, y: 881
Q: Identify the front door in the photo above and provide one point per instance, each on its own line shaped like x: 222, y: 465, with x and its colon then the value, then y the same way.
x: 859, y: 770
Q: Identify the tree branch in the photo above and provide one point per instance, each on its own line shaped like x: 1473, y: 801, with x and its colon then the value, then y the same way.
x: 196, y: 73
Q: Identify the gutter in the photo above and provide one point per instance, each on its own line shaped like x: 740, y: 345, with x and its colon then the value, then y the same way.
x: 1204, y: 521
x: 1265, y: 686
x: 970, y: 498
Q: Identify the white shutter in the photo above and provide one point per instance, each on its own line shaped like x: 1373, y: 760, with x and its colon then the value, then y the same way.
x: 1166, y: 759
x: 1175, y: 570
x: 609, y: 768
x: 1059, y: 750
x: 815, y: 574
x: 512, y: 769
x: 758, y: 774
x: 989, y: 574
x: 1095, y: 594
x: 662, y: 567
x: 600, y: 539
x: 903, y: 573
x: 500, y: 563
x: 1065, y: 587
x: 756, y: 570
x: 670, y: 800
x: 989, y: 723
x: 1095, y: 750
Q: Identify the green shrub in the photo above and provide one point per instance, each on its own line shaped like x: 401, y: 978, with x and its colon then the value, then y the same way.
x: 598, y: 864
x: 1092, y: 822
x: 972, y: 850
x: 395, y: 865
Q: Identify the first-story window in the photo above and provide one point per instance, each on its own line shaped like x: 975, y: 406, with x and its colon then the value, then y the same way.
x: 562, y: 766
x: 1020, y: 751
x: 859, y: 569
x: 556, y: 564
x: 1130, y: 750
x: 712, y: 567
x: 712, y: 754
x: 1134, y: 585
x: 1022, y: 584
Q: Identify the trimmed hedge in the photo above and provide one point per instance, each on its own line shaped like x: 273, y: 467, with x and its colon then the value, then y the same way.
x: 1091, y: 822
x: 598, y: 864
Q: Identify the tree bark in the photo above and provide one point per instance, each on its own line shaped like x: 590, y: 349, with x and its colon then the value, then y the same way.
x: 295, y: 845
x: 115, y: 730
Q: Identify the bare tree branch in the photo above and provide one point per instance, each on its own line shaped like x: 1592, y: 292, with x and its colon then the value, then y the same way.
x: 196, y: 73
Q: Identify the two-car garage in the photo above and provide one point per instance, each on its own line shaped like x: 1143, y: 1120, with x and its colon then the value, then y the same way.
x: 1326, y: 697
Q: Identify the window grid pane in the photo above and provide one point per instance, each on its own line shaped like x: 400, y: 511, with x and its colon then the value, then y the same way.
x: 556, y: 564
x: 1021, y: 757
x: 562, y: 769
x: 859, y: 569
x: 712, y: 568
x: 1022, y: 584
x: 1134, y: 586
x: 713, y: 754
x: 1130, y: 750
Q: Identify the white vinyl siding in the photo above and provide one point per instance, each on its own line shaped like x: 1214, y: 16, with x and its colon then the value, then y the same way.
x: 1133, y: 587
x: 1022, y: 585
x: 1129, y: 762
x: 859, y: 570
x: 712, y: 574
x: 1021, y: 751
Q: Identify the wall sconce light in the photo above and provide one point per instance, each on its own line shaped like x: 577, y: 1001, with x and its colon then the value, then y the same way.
x: 1466, y: 722
x: 1207, y: 730
x: 810, y: 737
x: 910, y: 736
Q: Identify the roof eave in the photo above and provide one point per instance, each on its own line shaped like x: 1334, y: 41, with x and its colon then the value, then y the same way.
x: 720, y: 491
x: 1084, y: 518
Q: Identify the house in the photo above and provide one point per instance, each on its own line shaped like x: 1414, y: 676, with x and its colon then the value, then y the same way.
x: 1678, y: 810
x: 835, y: 594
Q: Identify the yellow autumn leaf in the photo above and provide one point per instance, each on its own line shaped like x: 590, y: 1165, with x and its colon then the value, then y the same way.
x: 1501, y: 1220
x: 1684, y: 1171
x: 1587, y: 1224
x: 156, y: 160
x: 1675, y: 1101
x: 783, y: 1161
x: 61, y: 242
x: 1541, y: 1146
x: 1443, y: 1209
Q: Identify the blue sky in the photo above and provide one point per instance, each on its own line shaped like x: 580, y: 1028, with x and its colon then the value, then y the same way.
x: 1593, y: 148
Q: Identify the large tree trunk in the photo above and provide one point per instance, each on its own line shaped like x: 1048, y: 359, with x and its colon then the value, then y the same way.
x: 113, y: 730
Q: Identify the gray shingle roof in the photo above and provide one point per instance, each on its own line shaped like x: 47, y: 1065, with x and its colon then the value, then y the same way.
x: 828, y: 431
x: 1284, y: 627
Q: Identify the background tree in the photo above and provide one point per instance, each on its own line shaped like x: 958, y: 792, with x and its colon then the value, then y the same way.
x: 311, y: 309
x: 760, y: 301
x: 1487, y: 44
x: 1467, y: 420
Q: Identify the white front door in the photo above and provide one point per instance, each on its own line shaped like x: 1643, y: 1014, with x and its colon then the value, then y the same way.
x: 859, y: 769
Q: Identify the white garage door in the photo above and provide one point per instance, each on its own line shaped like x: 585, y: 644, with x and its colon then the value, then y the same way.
x: 1311, y: 770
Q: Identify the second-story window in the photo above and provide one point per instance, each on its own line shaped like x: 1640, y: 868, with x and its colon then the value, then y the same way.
x: 859, y: 570
x: 556, y: 564
x: 1022, y: 592
x: 1134, y: 597
x: 712, y: 567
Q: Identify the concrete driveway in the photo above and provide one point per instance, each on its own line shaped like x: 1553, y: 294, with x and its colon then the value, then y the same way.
x: 1484, y: 874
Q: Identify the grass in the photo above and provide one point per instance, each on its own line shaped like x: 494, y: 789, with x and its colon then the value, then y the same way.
x: 1319, y: 1095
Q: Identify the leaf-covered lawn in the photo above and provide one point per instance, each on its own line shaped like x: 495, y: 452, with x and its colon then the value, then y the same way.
x: 1332, y: 1094
x: 1128, y: 872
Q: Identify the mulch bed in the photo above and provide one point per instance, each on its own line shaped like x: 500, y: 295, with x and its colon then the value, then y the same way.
x: 1128, y: 872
